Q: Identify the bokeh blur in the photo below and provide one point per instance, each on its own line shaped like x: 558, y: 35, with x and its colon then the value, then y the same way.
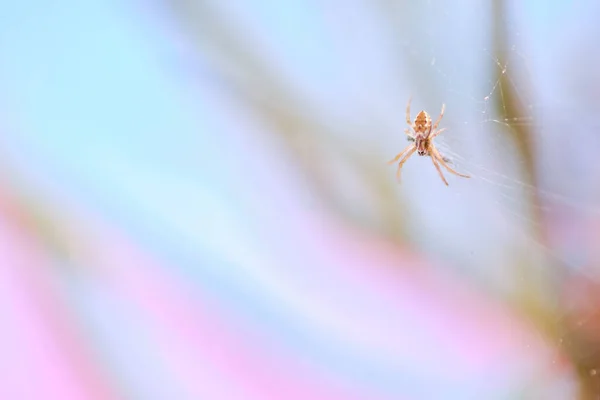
x: 195, y: 200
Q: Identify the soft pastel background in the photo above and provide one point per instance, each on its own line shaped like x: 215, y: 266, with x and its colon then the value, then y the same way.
x: 195, y: 201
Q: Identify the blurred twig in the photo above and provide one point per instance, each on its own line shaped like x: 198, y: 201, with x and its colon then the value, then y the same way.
x: 251, y: 79
x: 535, y: 288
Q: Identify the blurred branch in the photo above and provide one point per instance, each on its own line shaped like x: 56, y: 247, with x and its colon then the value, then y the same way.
x: 252, y: 80
x: 508, y: 103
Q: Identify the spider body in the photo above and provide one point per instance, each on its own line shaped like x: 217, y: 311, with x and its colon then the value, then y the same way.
x: 421, y: 132
x: 422, y: 128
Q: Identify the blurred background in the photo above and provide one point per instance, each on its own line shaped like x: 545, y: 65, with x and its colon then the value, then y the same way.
x: 195, y: 201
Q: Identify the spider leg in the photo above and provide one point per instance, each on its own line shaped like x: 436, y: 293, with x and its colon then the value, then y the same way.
x: 437, y: 166
x: 439, y: 118
x: 410, y: 137
x: 403, y: 152
x: 435, y: 133
x: 446, y: 159
x: 436, y: 154
x: 408, y: 112
x: 401, y: 163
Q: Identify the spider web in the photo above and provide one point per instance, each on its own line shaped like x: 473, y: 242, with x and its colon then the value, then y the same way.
x: 541, y: 200
x: 485, y: 145
x: 501, y: 171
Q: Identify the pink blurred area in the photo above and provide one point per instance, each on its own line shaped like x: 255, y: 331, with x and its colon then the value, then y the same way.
x: 403, y: 312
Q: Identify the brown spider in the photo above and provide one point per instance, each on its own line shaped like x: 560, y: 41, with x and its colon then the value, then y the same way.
x: 422, y: 136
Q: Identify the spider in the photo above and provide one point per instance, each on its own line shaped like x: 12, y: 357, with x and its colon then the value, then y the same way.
x: 421, y: 133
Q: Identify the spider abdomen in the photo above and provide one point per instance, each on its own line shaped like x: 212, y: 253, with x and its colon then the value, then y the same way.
x: 422, y: 123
